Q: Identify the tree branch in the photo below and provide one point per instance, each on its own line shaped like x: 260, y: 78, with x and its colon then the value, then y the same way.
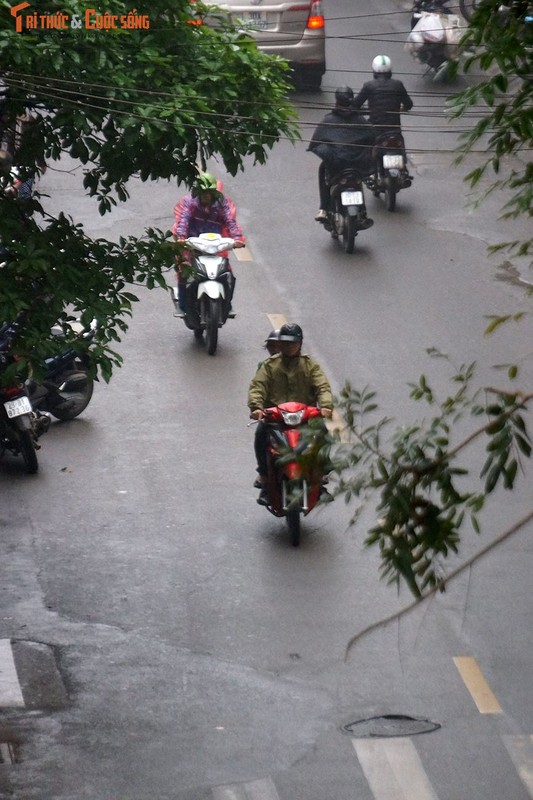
x: 440, y: 586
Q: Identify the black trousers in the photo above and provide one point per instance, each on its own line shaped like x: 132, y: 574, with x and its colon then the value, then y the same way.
x: 323, y: 188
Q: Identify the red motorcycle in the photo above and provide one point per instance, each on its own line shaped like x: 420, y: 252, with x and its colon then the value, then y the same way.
x: 295, y: 468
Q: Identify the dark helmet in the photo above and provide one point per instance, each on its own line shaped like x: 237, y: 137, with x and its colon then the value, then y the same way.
x: 290, y: 332
x: 343, y: 96
x: 273, y: 336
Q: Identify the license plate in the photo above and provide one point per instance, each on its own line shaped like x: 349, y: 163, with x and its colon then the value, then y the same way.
x: 21, y: 405
x: 260, y: 20
x: 352, y: 198
x: 392, y: 162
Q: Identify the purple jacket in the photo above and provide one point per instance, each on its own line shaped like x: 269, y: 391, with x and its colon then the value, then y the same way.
x: 216, y: 218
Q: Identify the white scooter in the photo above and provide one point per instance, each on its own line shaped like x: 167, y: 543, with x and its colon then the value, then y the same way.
x: 210, y: 287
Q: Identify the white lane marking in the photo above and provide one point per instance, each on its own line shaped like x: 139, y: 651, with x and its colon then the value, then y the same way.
x: 393, y: 769
x: 10, y: 691
x: 262, y: 789
x: 7, y: 753
x: 476, y: 684
x: 520, y: 748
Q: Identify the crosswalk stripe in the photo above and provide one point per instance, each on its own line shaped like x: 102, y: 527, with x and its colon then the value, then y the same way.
x: 10, y: 691
x: 262, y: 789
x: 476, y: 684
x: 393, y: 769
x: 520, y: 748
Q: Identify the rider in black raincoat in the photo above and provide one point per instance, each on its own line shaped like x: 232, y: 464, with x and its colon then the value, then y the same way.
x: 344, y: 138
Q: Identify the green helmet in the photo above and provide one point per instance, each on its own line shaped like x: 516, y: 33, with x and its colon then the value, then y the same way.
x: 206, y: 183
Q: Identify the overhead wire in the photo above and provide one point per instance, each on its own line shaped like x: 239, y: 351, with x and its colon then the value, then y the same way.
x: 226, y: 119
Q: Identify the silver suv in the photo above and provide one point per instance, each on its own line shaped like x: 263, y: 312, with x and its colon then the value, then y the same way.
x: 293, y: 30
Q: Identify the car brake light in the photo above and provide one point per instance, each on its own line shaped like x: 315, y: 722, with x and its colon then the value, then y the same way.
x: 316, y: 16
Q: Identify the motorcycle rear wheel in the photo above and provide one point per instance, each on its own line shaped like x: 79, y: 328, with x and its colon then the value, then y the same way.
x: 293, y: 523
x: 27, y: 451
x: 211, y: 326
x: 78, y: 400
x: 349, y: 232
x: 467, y: 8
x: 390, y: 194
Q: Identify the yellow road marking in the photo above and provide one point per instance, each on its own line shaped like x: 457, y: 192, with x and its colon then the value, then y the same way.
x: 277, y: 320
x: 243, y: 254
x: 476, y: 684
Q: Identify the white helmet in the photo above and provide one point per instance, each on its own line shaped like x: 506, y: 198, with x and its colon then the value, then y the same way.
x: 381, y: 64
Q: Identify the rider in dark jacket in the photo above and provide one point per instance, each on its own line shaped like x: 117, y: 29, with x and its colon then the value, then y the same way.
x: 385, y: 97
x: 342, y: 139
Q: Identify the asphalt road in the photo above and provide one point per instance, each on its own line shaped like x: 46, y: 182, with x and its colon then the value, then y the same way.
x: 159, y: 636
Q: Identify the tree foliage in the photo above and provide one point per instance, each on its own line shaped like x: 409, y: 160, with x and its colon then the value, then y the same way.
x: 151, y: 102
x: 427, y: 493
x: 501, y: 46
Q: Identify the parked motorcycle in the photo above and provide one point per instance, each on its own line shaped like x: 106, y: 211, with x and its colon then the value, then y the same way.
x: 390, y: 173
x: 428, y: 6
x: 435, y: 39
x: 347, y: 213
x: 67, y: 386
x: 295, y: 467
x: 20, y: 424
x: 210, y: 287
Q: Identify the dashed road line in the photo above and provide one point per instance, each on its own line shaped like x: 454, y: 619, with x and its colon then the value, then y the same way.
x: 393, y: 769
x: 520, y: 748
x: 476, y: 684
x: 276, y: 320
x: 10, y: 691
x: 263, y: 789
x: 243, y: 254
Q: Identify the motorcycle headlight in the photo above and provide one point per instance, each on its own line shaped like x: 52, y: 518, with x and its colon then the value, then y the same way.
x: 293, y: 418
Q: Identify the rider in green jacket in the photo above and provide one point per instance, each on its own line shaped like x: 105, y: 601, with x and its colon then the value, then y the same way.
x: 288, y: 376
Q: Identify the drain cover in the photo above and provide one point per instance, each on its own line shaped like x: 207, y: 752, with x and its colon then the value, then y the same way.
x: 389, y: 725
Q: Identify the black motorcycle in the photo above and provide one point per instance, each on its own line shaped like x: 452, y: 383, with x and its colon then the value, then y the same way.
x: 67, y: 386
x: 390, y: 173
x: 346, y: 215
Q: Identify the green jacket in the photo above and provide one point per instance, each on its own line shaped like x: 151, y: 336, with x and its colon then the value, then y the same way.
x: 280, y: 380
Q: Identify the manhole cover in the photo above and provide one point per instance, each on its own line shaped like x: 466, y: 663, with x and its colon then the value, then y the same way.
x: 389, y: 725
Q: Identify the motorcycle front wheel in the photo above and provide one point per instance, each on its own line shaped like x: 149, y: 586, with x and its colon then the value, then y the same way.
x: 211, y: 326
x: 77, y: 393
x: 293, y: 524
x: 349, y: 232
